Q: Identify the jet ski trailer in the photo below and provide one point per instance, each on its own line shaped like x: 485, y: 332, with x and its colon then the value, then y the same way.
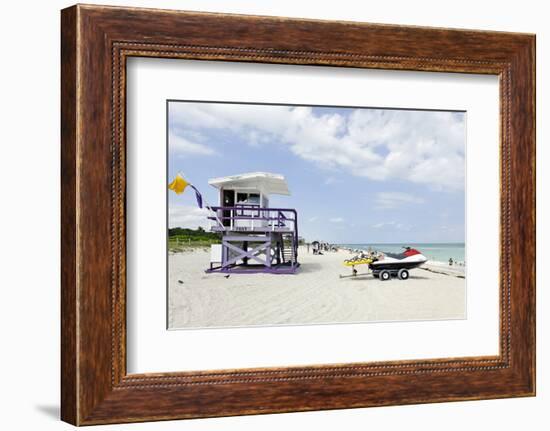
x: 396, y: 264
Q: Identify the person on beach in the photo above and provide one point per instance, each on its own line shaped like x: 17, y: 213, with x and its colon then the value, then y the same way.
x: 316, y: 247
x: 450, y: 261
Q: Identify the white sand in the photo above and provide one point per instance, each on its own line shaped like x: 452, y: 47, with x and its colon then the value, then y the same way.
x: 315, y: 294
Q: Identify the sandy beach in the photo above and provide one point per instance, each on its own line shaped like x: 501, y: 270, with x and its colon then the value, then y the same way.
x: 315, y: 294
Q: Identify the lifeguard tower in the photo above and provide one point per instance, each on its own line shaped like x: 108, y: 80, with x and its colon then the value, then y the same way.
x: 255, y: 237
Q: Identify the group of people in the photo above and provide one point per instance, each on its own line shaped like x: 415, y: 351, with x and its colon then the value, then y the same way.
x: 318, y: 247
x: 455, y: 262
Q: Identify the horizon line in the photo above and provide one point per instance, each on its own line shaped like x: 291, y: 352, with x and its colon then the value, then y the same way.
x: 400, y: 243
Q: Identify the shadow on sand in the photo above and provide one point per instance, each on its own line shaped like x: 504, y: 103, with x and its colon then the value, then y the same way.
x: 369, y: 277
x: 306, y: 268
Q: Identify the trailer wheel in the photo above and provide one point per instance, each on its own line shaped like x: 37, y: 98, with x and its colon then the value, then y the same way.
x: 403, y: 274
x: 384, y: 275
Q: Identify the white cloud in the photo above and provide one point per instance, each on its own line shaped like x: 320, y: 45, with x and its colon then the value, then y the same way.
x: 312, y: 219
x: 392, y: 200
x: 391, y: 224
x: 424, y: 147
x: 184, y: 146
x: 190, y: 217
x: 336, y: 220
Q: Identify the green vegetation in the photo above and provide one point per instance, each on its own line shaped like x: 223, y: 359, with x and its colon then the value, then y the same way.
x: 181, y: 238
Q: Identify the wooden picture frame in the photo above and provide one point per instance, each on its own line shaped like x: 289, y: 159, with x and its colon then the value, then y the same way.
x: 95, y: 42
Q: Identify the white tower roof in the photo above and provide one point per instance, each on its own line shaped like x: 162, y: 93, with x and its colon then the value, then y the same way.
x: 264, y: 182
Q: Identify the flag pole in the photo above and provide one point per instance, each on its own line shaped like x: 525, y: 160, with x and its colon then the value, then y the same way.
x: 206, y: 204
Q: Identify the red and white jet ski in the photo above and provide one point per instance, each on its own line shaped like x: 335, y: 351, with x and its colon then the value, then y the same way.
x: 397, y: 264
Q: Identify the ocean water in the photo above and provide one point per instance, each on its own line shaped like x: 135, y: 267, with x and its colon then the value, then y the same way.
x: 433, y: 251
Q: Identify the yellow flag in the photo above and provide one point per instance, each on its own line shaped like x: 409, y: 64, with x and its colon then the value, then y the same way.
x: 178, y: 185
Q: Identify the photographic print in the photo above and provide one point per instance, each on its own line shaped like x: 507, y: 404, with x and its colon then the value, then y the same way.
x: 295, y: 215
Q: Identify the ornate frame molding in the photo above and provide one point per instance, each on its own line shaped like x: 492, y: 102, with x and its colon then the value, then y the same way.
x: 96, y: 41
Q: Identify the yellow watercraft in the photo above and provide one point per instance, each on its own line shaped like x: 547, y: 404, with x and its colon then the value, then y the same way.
x: 358, y: 261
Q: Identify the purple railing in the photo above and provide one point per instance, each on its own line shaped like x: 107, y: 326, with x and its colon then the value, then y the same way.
x: 281, y: 216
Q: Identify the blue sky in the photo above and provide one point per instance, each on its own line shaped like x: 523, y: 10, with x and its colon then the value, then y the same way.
x: 356, y: 175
